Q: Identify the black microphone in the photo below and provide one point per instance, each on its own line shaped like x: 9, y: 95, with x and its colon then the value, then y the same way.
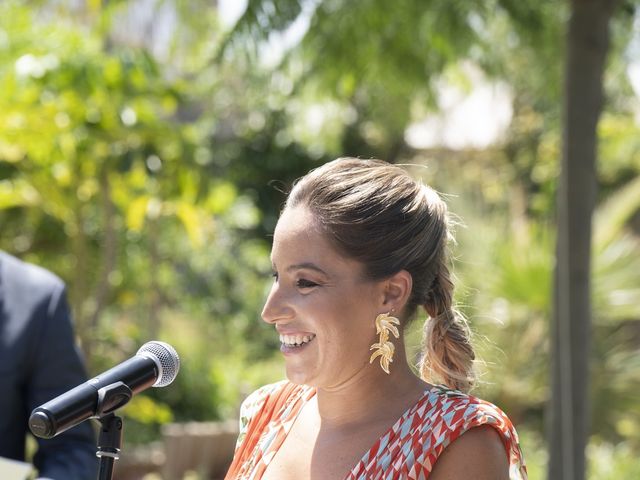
x: 156, y: 364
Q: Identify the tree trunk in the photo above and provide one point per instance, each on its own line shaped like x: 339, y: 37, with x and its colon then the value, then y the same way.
x: 587, y: 46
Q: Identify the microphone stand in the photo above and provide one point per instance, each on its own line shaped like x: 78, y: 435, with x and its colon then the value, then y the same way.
x: 110, y: 398
x: 109, y: 444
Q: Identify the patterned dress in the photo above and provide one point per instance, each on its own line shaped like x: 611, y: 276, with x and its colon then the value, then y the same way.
x: 408, y: 450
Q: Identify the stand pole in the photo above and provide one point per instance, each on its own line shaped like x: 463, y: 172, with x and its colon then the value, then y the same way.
x: 109, y: 444
x: 106, y: 468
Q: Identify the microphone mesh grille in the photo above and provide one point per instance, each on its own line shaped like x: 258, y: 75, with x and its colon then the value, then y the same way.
x: 165, y: 357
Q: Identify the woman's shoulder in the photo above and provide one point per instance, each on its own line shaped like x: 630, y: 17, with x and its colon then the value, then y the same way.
x: 448, y: 414
x: 479, y: 451
x: 465, y: 409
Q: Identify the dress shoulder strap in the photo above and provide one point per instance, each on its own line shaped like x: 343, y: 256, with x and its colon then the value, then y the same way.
x: 260, y: 408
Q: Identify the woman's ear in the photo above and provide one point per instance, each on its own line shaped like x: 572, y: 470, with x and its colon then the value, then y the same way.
x: 398, y: 290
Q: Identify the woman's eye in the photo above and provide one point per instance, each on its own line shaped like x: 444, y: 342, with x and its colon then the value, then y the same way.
x: 275, y: 276
x: 303, y: 283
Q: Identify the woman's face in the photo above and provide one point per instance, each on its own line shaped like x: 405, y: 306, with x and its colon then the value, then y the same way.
x: 321, y: 305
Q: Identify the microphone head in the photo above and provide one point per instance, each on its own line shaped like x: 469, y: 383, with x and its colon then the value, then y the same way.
x: 165, y: 357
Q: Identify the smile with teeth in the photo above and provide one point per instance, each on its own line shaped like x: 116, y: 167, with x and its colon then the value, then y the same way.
x: 296, y: 340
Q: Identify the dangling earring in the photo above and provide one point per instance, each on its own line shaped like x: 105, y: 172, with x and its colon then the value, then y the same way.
x: 385, y: 323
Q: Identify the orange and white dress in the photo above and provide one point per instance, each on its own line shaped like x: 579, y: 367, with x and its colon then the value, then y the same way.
x: 408, y: 450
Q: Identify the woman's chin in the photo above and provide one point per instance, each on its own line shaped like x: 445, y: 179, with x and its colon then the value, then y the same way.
x: 299, y: 377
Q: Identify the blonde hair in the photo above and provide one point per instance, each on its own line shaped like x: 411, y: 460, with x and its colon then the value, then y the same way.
x: 375, y: 213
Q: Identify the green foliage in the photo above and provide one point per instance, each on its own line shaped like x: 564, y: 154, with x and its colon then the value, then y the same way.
x: 506, y: 272
x: 611, y: 462
x: 86, y: 141
x: 104, y: 181
x: 606, y: 461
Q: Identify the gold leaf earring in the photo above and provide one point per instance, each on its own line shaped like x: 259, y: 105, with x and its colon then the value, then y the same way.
x: 385, y: 349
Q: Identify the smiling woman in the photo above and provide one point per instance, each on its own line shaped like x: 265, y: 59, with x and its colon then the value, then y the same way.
x: 358, y: 248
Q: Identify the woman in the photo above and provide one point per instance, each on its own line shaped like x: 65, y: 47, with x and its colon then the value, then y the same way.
x: 359, y: 247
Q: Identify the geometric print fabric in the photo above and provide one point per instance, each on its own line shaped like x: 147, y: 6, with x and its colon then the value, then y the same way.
x: 407, y: 451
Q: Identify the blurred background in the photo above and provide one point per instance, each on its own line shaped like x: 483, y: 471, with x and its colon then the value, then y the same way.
x: 145, y: 146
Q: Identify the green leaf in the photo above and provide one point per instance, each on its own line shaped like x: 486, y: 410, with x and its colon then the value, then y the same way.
x: 190, y: 217
x: 611, y: 217
x: 136, y: 213
x: 221, y: 198
x: 17, y: 193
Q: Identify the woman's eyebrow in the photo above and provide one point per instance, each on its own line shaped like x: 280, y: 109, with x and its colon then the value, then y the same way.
x: 306, y: 266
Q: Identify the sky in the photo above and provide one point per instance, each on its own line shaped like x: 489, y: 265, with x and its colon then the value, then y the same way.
x: 230, y: 10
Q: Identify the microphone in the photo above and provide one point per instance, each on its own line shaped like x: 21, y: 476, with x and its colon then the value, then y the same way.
x: 156, y: 364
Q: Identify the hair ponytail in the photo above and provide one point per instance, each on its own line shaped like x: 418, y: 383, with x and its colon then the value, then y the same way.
x: 448, y: 355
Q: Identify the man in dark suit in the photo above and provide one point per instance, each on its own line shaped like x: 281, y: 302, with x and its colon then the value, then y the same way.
x: 39, y: 361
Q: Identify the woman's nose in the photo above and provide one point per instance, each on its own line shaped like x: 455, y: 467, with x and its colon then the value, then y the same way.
x: 276, y: 308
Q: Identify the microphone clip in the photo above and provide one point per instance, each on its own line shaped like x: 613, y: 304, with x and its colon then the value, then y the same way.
x: 112, y: 397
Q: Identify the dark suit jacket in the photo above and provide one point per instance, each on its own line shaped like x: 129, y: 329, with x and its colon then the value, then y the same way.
x: 39, y: 361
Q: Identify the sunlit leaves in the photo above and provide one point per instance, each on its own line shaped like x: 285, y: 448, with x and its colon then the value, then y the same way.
x: 136, y: 213
x: 87, y: 136
x: 221, y: 197
x: 17, y: 193
x: 146, y: 410
x: 192, y: 222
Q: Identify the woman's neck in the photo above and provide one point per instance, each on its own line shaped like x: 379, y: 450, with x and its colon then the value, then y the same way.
x: 370, y: 395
